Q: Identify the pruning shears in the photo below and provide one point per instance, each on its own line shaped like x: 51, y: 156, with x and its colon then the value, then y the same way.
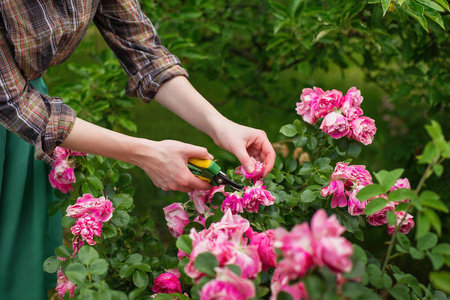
x: 209, y: 171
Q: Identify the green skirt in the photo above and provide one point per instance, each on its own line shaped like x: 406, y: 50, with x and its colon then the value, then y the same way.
x: 27, y: 234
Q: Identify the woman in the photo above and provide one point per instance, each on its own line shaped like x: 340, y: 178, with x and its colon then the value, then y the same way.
x: 38, y: 34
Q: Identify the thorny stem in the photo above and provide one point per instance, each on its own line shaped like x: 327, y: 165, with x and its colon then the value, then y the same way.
x: 424, y: 177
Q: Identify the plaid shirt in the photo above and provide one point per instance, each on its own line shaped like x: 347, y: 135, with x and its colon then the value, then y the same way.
x: 38, y: 34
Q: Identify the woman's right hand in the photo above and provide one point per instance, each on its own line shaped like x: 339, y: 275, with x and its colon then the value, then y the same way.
x: 165, y: 162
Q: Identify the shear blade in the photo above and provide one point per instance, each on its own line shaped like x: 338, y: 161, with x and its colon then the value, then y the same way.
x: 221, y: 178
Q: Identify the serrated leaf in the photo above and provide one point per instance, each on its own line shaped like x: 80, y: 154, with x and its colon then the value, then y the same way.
x: 120, y: 218
x: 289, y: 130
x: 87, y: 255
x: 391, y: 218
x: 416, y: 11
x: 140, y: 279
x: 400, y: 292
x: 206, y: 262
x: 300, y: 141
x: 385, y: 5
x: 67, y: 222
x: 51, y: 264
x: 441, y: 280
x: 308, y: 196
x: 312, y: 143
x: 404, y: 241
x: 369, y: 191
x: 76, y: 273
x: 375, y: 205
x: 122, y: 201
x: 63, y: 251
x: 98, y: 267
x: 437, y: 260
x: 387, y: 179
x: 97, y: 183
x: 401, y: 194
x: 184, y: 243
x: 427, y: 241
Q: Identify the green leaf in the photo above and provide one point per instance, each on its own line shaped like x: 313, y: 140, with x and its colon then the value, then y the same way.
x: 97, y: 183
x: 438, y: 169
x: 400, y: 292
x: 427, y: 241
x: 416, y: 11
x: 437, y: 260
x: 375, y: 205
x: 442, y: 249
x: 118, y: 295
x: 401, y: 194
x: 134, y: 259
x: 312, y: 143
x: 441, y: 280
x: 63, y: 251
x: 142, y: 266
x: 140, y: 279
x: 431, y: 4
x: 305, y: 169
x: 282, y: 295
x: 52, y: 264
x: 404, y: 241
x: 109, y: 231
x: 308, y: 196
x: 98, y: 267
x: 67, y: 222
x: 385, y: 5
x: 184, y: 243
x: 206, y: 262
x: 125, y: 165
x: 416, y: 254
x: 76, y: 273
x: 289, y: 130
x: 125, y: 271
x: 431, y: 199
x: 124, y: 180
x: 120, y: 218
x: 122, y: 201
x: 391, y: 218
x: 434, y: 220
x: 369, y: 191
x: 87, y: 255
x: 423, y: 225
x: 290, y: 164
x: 301, y: 126
x: 411, y: 281
x: 387, y: 179
x: 443, y: 3
x: 300, y: 141
x: 354, y: 149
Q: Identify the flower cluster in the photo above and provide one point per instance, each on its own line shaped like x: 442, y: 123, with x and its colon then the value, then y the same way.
x: 225, y: 239
x: 304, y: 248
x: 63, y: 285
x: 342, y: 115
x: 90, y: 212
x: 62, y: 176
x: 347, y: 180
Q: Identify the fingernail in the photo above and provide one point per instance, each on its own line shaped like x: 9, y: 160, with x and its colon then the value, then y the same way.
x: 210, y: 157
x: 250, y: 169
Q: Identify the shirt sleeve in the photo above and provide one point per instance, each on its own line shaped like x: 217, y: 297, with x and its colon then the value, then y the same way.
x: 132, y: 37
x: 37, y: 118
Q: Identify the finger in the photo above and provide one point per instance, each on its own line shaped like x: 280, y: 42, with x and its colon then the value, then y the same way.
x: 245, y: 160
x: 269, y: 157
x: 198, y: 152
x: 198, y: 183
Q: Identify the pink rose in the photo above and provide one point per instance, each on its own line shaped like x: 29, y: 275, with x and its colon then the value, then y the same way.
x: 87, y: 227
x: 176, y: 218
x: 60, y: 153
x: 401, y: 183
x: 335, y: 188
x: 89, y: 205
x: 256, y: 195
x: 280, y: 282
x: 322, y: 225
x: 232, y: 226
x: 353, y: 97
x: 257, y: 172
x: 201, y: 198
x: 62, y: 176
x: 233, y: 202
x: 351, y: 112
x: 299, y: 239
x: 264, y: 243
x: 75, y: 153
x: 64, y: 285
x: 247, y: 259
x: 379, y: 218
x: 228, y: 285
x: 335, y: 125
x: 167, y: 283
x: 334, y: 252
x: 356, y: 207
x: 325, y: 104
x: 362, y: 130
x: 307, y: 97
x: 407, y: 224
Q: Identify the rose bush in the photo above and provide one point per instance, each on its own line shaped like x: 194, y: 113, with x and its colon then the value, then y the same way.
x: 298, y: 233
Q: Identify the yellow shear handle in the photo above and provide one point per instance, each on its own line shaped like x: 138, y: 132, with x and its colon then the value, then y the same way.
x: 201, y: 163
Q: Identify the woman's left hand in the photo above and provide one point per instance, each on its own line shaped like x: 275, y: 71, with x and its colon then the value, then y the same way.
x: 245, y: 142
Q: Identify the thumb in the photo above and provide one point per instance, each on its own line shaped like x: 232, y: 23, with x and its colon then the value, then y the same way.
x: 246, y: 161
x: 198, y: 152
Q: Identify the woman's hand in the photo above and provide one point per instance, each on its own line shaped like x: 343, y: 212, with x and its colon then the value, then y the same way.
x: 244, y: 142
x: 166, y: 162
